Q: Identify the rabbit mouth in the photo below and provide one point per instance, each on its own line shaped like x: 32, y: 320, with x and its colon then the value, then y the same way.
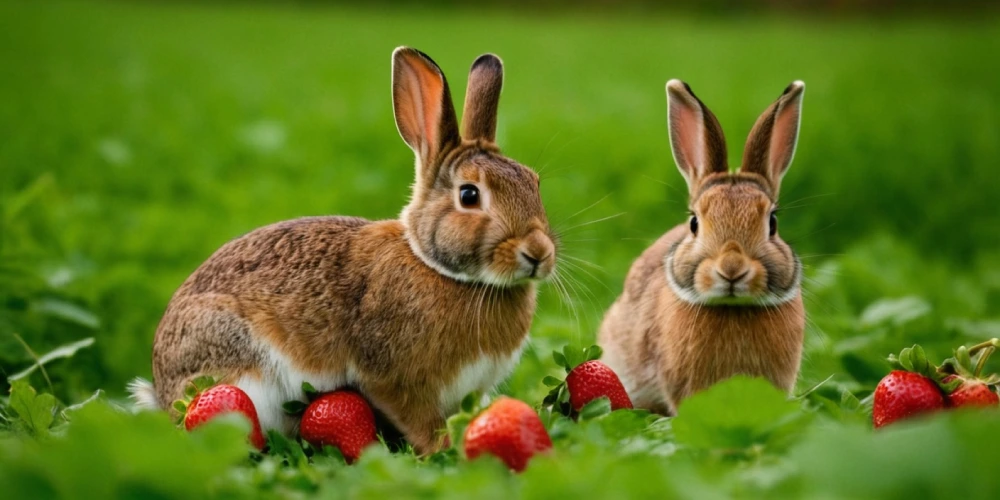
x: 527, y: 270
x: 733, y: 300
x: 719, y: 291
x: 730, y: 293
x: 736, y: 298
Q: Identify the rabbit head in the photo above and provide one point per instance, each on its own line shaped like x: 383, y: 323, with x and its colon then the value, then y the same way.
x: 732, y: 253
x: 474, y: 215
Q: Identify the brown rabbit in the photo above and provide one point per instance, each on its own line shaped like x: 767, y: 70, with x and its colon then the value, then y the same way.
x: 718, y: 295
x: 413, y: 313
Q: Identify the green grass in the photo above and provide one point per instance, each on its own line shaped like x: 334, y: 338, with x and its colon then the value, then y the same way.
x: 137, y: 138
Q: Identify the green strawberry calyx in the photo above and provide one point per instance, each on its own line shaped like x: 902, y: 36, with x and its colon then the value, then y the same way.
x: 195, y: 387
x: 471, y: 406
x: 966, y: 364
x: 297, y: 407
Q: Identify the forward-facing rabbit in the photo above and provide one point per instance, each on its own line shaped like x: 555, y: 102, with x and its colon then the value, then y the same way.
x: 718, y: 295
x: 414, y: 313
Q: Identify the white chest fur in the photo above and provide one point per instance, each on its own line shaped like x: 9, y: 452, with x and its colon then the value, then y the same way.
x: 482, y: 374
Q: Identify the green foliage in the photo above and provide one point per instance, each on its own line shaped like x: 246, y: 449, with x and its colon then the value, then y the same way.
x: 130, y: 154
x: 34, y: 412
x: 924, y: 459
x: 709, y: 420
x: 108, y: 453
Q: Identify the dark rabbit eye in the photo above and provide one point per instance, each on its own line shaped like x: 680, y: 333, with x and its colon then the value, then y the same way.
x: 468, y: 196
x: 774, y: 223
x: 694, y: 224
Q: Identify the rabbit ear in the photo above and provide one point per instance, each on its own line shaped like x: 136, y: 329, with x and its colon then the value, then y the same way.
x: 771, y: 144
x: 695, y: 135
x: 425, y: 115
x: 479, y: 118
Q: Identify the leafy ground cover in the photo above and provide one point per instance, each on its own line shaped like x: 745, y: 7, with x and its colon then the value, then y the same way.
x: 137, y: 138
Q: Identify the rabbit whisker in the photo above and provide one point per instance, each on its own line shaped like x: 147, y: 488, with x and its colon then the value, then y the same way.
x: 602, y: 219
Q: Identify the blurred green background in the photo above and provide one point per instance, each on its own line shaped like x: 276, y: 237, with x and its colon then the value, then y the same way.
x: 139, y: 137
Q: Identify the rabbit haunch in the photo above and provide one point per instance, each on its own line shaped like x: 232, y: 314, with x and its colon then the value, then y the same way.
x: 284, y: 384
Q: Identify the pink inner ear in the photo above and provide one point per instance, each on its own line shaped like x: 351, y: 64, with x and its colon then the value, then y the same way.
x: 430, y: 95
x: 783, y: 137
x: 687, y: 136
x: 419, y: 105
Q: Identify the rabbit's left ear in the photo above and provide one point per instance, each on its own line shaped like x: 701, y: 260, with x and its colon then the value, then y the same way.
x: 771, y: 144
x: 479, y: 118
x: 423, y: 109
x: 696, y: 138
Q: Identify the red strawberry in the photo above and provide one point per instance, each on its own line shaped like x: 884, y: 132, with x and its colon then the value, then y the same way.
x: 966, y: 385
x: 970, y: 392
x: 341, y: 419
x: 592, y: 380
x: 903, y: 394
x: 220, y: 399
x: 508, y: 429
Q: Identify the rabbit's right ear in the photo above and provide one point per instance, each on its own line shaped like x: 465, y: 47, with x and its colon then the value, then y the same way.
x: 479, y: 118
x: 425, y: 115
x: 695, y: 135
x: 771, y: 144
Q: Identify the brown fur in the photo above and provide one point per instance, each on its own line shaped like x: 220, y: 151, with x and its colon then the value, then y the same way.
x: 349, y: 298
x: 734, y: 304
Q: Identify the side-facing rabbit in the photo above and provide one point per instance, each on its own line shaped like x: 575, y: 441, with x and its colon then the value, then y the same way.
x: 719, y: 295
x: 413, y: 313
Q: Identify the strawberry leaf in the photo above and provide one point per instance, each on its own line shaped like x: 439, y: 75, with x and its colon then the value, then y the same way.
x: 37, y: 411
x: 707, y: 419
x: 950, y: 384
x: 203, y: 382
x: 181, y: 406
x: 905, y: 359
x: 596, y: 408
x: 294, y: 407
x: 964, y: 360
x: 334, y: 453
x: 573, y: 356
x: 551, y: 398
x: 456, y: 425
x: 849, y: 401
x: 593, y: 352
x: 563, y: 395
x: 919, y: 359
x: 310, y: 391
x: 560, y: 360
x: 551, y: 381
x: 894, y: 362
x: 290, y: 449
x: 470, y: 403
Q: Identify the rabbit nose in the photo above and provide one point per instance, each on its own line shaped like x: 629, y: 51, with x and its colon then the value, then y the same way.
x: 533, y: 262
x: 730, y: 278
x: 537, y: 251
x: 732, y: 266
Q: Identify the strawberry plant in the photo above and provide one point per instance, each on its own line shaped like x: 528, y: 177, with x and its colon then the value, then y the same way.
x: 587, y: 381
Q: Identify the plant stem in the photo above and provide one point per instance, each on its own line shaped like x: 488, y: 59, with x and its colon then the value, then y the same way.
x: 982, y: 360
x: 994, y: 342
